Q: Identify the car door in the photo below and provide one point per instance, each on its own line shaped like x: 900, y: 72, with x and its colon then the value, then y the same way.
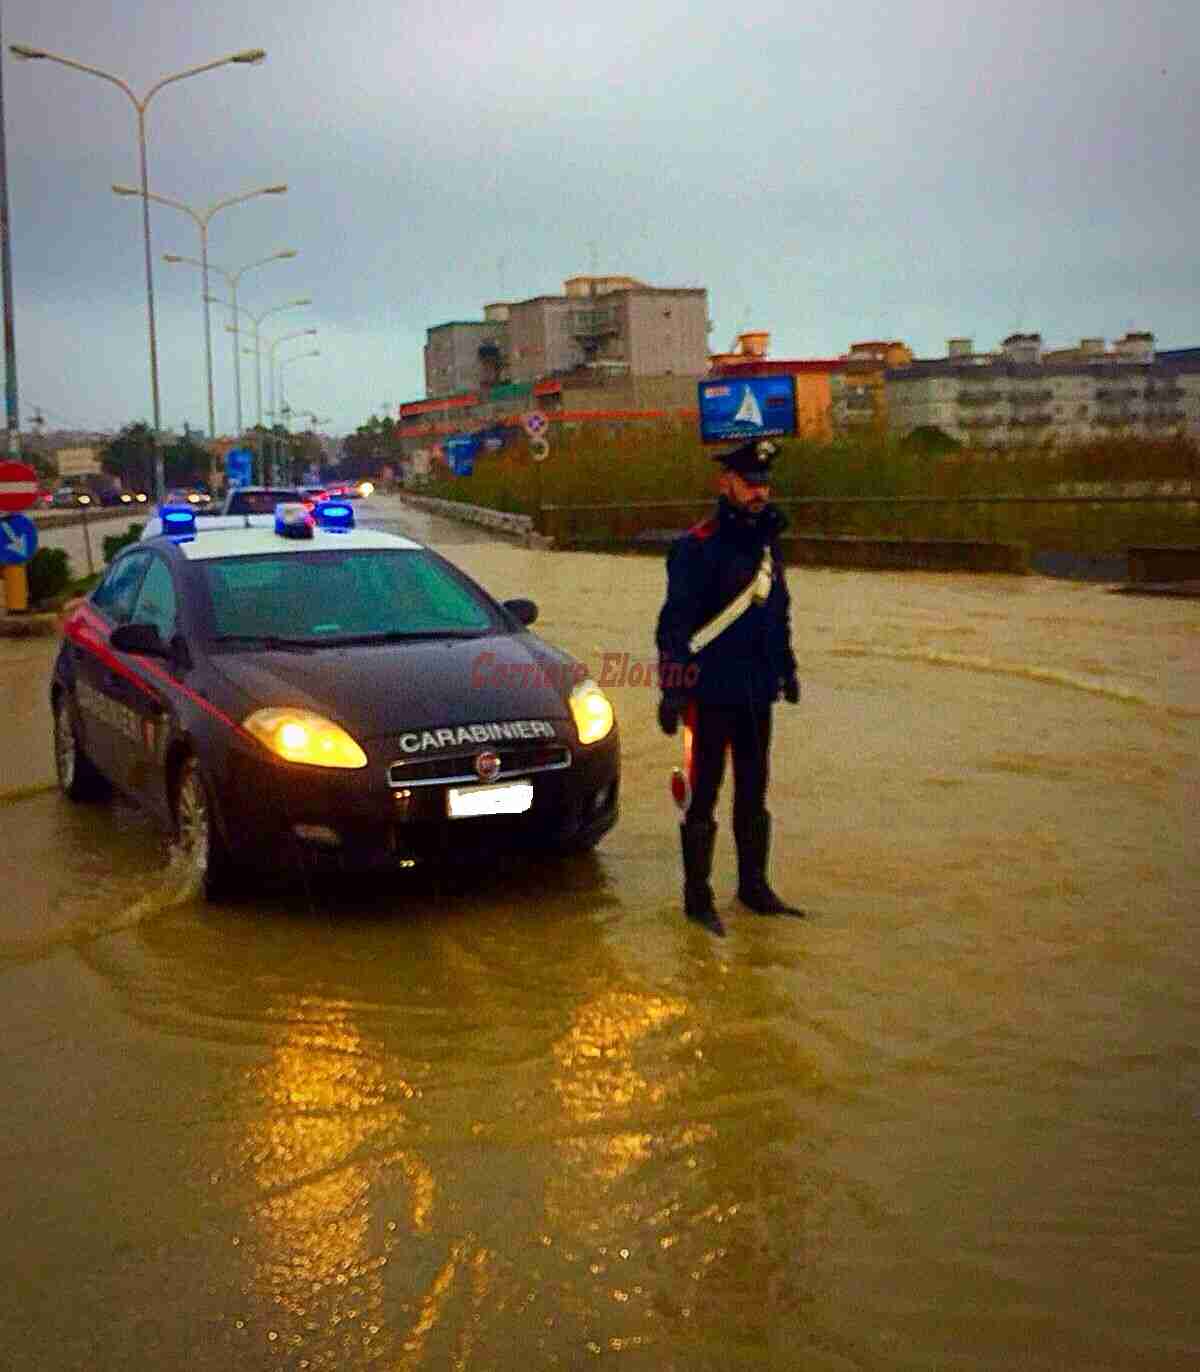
x: 143, y: 692
x: 98, y: 695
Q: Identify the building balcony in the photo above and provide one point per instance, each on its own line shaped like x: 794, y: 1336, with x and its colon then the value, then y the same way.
x: 982, y: 421
x: 1030, y: 398
x: 1118, y: 419
x: 594, y: 324
x: 978, y: 396
x: 1041, y: 420
x: 1111, y: 395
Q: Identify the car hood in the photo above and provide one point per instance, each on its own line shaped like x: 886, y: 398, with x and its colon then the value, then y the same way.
x: 383, y: 688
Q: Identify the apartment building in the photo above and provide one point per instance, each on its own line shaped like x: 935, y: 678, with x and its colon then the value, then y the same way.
x: 465, y: 355
x: 1022, y: 394
x: 614, y: 326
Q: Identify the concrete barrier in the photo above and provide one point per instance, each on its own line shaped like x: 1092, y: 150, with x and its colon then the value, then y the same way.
x: 517, y: 525
x: 1162, y: 565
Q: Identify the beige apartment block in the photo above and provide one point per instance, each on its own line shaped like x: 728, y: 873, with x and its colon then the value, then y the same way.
x: 1021, y: 395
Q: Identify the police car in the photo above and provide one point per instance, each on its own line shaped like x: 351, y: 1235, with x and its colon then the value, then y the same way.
x: 291, y: 691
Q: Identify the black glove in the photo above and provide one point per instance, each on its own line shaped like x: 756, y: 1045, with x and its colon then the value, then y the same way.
x: 669, y: 709
x: 791, y: 690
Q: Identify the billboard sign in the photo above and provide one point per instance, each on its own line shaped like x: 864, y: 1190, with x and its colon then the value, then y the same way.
x: 239, y: 467
x: 736, y: 408
x: 77, y: 461
x: 461, y: 450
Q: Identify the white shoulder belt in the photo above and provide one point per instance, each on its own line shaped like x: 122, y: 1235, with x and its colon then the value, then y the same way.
x: 758, y: 589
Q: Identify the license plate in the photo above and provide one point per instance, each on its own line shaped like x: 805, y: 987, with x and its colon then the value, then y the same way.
x: 510, y: 798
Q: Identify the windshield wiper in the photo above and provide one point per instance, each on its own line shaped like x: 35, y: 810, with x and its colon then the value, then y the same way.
x: 268, y: 640
x: 399, y: 636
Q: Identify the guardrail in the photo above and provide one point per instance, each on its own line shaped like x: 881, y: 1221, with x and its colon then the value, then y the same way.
x: 64, y: 519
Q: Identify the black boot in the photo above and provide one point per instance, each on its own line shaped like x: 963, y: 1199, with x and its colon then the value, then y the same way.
x: 753, y: 838
x: 698, y: 837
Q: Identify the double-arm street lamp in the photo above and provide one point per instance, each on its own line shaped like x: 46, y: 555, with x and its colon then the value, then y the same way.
x: 272, y: 344
x: 232, y: 278
x: 248, y: 57
x: 256, y: 320
x: 283, y: 365
x: 201, y: 219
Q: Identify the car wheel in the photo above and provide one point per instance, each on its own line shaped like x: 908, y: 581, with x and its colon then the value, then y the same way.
x: 198, y: 844
x: 78, y: 778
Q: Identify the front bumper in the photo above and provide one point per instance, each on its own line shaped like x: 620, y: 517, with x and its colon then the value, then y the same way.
x: 274, y: 815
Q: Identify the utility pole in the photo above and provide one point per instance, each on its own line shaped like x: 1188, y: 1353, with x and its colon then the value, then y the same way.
x: 10, y: 345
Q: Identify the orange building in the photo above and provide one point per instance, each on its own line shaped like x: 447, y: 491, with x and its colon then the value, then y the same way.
x: 833, y: 395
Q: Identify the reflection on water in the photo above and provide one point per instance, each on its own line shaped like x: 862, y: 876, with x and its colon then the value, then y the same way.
x: 530, y: 1117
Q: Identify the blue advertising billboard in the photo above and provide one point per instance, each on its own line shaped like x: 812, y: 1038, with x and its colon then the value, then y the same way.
x: 735, y: 408
x: 239, y: 467
x: 461, y: 450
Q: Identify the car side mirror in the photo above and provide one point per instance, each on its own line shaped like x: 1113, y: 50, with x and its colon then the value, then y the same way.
x: 525, y: 610
x: 138, y: 638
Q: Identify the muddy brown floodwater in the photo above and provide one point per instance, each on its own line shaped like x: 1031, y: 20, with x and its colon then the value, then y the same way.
x: 527, y: 1117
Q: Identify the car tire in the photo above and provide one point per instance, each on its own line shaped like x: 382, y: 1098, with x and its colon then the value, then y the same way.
x: 198, y: 843
x: 78, y: 778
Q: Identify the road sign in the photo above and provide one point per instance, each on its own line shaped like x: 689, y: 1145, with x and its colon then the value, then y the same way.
x: 18, y: 540
x: 539, y: 449
x: 534, y: 423
x: 18, y: 486
x: 239, y: 467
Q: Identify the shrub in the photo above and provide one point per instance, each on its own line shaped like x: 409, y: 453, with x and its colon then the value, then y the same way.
x: 49, y: 574
x: 113, y: 544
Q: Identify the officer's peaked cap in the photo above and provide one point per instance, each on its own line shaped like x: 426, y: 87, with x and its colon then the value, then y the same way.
x: 750, y: 460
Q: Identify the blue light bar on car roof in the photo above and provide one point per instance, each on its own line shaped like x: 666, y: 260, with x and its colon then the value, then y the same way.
x: 334, y: 516
x: 292, y: 520
x: 178, y: 522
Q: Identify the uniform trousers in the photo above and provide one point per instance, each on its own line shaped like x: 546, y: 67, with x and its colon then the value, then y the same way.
x: 743, y: 730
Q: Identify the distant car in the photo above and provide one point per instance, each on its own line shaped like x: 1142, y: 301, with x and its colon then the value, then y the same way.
x: 312, y: 494
x: 290, y: 692
x: 134, y: 498
x: 258, y: 500
x: 66, y: 498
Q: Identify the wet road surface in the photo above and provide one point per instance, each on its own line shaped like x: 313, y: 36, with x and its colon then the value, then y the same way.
x: 528, y: 1117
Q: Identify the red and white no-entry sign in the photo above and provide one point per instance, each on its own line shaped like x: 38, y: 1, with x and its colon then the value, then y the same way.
x: 18, y: 486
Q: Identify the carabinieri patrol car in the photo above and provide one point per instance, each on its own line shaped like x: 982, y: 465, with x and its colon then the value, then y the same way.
x: 291, y: 690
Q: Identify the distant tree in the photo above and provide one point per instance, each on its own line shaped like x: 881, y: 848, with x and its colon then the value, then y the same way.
x: 130, y: 457
x: 928, y: 438
x: 186, y: 462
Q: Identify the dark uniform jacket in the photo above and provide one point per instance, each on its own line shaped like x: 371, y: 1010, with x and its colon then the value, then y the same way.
x: 707, y: 568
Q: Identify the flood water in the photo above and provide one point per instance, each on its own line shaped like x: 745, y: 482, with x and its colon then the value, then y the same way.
x: 528, y: 1117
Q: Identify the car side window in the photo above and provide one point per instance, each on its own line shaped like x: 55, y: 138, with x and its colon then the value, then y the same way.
x: 115, y: 594
x: 156, y: 603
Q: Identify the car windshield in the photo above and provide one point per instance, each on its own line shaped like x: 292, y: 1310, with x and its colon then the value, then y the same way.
x: 364, y: 595
x: 260, y: 502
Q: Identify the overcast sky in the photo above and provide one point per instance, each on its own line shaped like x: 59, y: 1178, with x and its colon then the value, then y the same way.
x: 830, y: 172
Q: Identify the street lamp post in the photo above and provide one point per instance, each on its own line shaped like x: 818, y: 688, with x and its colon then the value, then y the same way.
x: 236, y: 334
x: 202, y: 218
x: 248, y: 57
x: 271, y: 346
x: 232, y: 278
x: 283, y: 405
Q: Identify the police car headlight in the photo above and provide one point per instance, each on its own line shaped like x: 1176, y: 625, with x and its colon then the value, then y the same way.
x: 301, y: 736
x: 592, y: 712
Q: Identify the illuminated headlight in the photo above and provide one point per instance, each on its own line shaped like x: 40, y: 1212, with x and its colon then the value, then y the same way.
x: 366, y: 488
x: 301, y: 736
x: 592, y: 712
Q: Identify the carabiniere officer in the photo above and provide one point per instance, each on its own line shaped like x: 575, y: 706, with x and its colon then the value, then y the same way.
x: 725, y: 656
